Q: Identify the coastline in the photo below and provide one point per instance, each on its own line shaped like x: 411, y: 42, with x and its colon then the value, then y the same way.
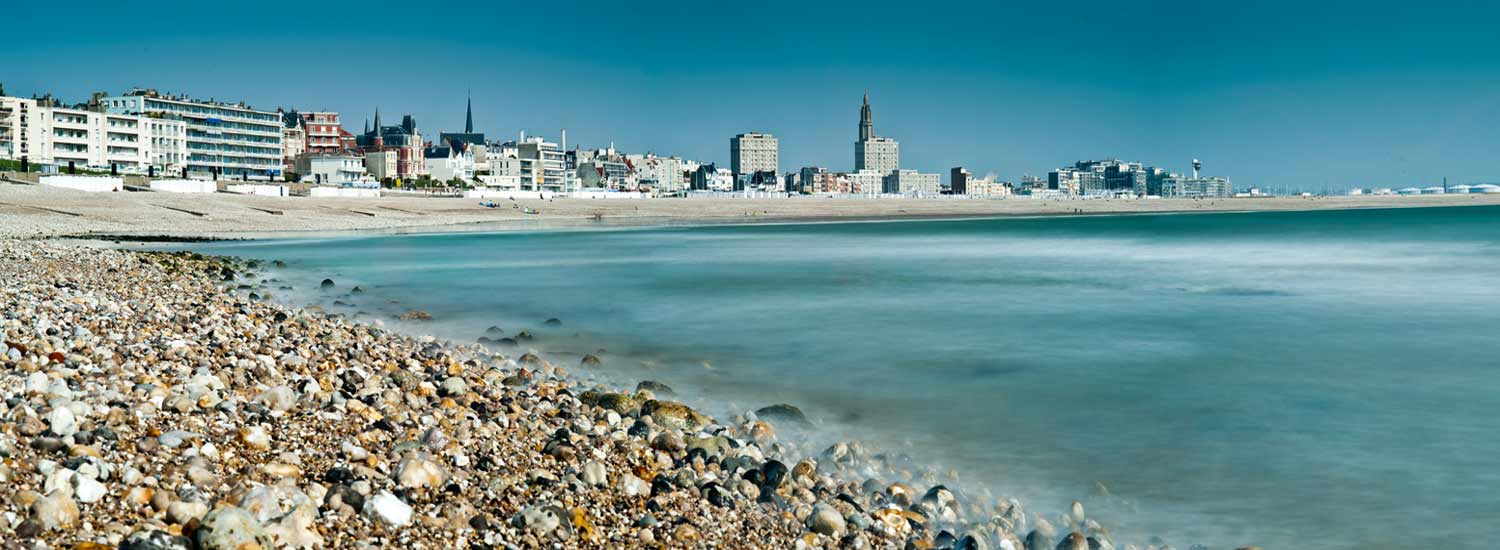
x: 176, y: 402
x: 39, y: 212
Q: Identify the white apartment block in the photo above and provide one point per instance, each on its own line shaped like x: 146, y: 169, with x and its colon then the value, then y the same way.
x: 912, y: 182
x: 20, y: 129
x: 880, y: 154
x: 663, y: 174
x: 61, y: 135
x: 753, y: 152
x: 866, y: 182
x: 544, y: 166
x: 228, y: 139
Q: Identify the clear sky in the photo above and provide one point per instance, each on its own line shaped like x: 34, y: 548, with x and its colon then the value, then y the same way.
x: 1269, y: 93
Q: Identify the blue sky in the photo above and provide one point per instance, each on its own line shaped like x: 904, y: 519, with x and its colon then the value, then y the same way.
x: 1270, y: 93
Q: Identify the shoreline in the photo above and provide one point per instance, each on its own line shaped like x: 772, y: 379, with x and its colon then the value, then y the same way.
x: 32, y: 212
x: 444, y: 444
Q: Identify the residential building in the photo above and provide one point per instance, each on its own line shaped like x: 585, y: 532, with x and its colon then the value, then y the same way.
x: 912, y: 182
x: 872, y: 152
x: 344, y: 169
x: 446, y: 163
x: 1196, y: 187
x: 986, y: 186
x: 711, y: 178
x: 660, y: 174
x: 20, y: 129
x: 230, y: 140
x: 753, y: 152
x: 404, y: 139
x: 381, y: 165
x: 958, y: 180
x: 293, y: 140
x: 325, y: 132
x: 543, y: 165
x: 47, y: 134
x: 866, y: 182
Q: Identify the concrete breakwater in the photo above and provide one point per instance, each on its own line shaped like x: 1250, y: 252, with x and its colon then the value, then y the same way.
x: 157, y: 401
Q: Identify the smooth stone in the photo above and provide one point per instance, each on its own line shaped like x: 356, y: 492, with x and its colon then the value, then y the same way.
x: 155, y: 540
x: 420, y: 473
x: 230, y: 528
x: 87, y: 489
x: 595, y: 475
x: 782, y: 412
x: 826, y: 520
x: 654, y: 387
x: 327, y: 283
x: 389, y: 509
x: 55, y: 511
x: 62, y: 422
x: 633, y: 486
x: 538, y: 519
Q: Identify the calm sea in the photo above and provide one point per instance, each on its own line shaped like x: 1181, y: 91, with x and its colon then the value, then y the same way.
x: 1288, y: 380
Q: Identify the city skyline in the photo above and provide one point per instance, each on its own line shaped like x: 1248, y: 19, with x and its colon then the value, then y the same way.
x: 1304, y: 101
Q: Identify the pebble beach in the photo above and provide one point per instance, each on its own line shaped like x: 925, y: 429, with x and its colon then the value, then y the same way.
x: 160, y: 401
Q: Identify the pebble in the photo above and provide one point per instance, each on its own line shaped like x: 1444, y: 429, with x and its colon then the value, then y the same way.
x: 230, y: 528
x: 389, y: 509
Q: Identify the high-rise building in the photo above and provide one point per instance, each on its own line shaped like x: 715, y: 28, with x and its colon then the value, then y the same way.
x: 958, y: 180
x: 753, y: 152
x: 229, y: 140
x: 872, y: 152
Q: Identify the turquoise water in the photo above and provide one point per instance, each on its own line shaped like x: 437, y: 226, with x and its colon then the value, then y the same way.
x: 1288, y: 380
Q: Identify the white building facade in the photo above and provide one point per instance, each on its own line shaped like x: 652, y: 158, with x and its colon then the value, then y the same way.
x: 912, y: 182
x: 753, y: 152
x: 223, y: 139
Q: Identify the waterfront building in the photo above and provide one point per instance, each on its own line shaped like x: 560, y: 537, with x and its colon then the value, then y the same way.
x: 230, y: 140
x: 325, y: 132
x: 404, y: 139
x: 958, y: 180
x: 988, y: 187
x: 45, y: 133
x: 381, y: 165
x: 1197, y: 187
x: 753, y: 152
x: 543, y: 165
x: 709, y: 177
x: 866, y: 182
x: 912, y: 182
x: 759, y: 180
x: 660, y: 174
x: 445, y: 162
x: 293, y: 140
x: 873, y: 152
x: 343, y: 169
x: 20, y: 128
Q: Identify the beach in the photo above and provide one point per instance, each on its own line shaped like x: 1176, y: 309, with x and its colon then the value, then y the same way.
x: 157, y: 400
x: 31, y: 211
x: 166, y: 400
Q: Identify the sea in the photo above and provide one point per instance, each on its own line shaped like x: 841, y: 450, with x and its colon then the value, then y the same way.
x: 1307, y: 380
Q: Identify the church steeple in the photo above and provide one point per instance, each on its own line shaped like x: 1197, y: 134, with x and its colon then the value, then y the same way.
x: 866, y: 120
x: 469, y: 117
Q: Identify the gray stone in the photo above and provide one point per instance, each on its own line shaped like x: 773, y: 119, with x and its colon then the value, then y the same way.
x: 230, y: 528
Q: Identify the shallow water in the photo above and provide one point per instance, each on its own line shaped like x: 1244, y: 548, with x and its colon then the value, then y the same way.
x: 1288, y: 380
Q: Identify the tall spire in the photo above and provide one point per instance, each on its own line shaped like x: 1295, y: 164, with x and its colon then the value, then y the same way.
x: 866, y: 120
x: 469, y: 116
x: 377, y: 120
